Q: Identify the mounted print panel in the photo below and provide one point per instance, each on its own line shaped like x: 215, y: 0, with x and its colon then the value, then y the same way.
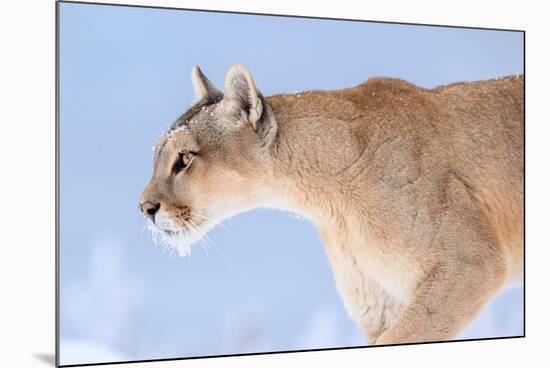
x: 234, y: 183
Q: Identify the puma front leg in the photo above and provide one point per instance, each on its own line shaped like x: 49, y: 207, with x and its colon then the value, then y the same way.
x: 470, y: 271
x: 366, y: 302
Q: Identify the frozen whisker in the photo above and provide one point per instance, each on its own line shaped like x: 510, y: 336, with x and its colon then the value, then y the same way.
x: 193, y: 229
x: 173, y: 241
x: 214, y: 223
x: 209, y: 242
x: 145, y: 227
x: 205, y: 241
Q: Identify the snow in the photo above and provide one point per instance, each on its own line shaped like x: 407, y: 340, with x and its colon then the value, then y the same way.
x: 82, y: 352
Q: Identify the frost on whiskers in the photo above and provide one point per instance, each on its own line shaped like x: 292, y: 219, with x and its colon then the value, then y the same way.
x: 179, y: 242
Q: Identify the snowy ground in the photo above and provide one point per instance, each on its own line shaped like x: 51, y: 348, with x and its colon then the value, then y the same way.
x: 107, y: 313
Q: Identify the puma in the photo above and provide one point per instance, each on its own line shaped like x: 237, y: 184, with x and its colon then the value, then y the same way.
x: 417, y: 193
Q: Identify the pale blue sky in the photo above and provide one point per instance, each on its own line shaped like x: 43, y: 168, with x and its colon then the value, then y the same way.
x: 266, y: 285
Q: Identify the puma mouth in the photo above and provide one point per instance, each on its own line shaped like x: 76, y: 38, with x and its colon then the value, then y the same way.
x: 179, y: 237
x: 179, y: 228
x: 171, y: 232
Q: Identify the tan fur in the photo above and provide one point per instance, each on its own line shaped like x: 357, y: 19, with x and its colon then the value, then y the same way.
x: 417, y: 193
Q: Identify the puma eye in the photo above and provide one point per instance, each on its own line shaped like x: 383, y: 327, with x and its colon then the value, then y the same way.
x: 183, y: 161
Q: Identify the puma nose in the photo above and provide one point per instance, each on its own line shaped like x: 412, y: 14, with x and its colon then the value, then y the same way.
x: 150, y: 209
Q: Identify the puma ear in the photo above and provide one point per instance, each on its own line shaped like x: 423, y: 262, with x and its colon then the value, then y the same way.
x: 240, y: 94
x: 204, y: 89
